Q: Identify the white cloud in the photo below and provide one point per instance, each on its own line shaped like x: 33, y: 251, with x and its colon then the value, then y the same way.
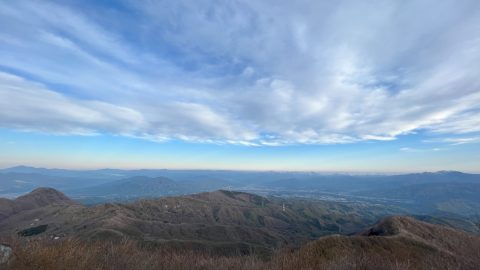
x: 419, y: 150
x: 30, y: 106
x: 456, y: 140
x: 250, y: 72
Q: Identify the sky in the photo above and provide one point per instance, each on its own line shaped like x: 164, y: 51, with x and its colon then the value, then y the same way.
x: 357, y: 86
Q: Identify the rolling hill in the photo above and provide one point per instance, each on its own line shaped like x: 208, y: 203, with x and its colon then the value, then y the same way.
x: 38, y: 198
x: 221, y: 220
x: 396, y: 242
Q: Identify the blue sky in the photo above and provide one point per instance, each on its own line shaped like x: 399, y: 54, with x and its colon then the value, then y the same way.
x: 367, y: 86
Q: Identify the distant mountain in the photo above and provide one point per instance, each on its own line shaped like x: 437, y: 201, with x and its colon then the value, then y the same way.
x: 64, y: 173
x: 105, y: 185
x: 442, y: 192
x: 177, y: 175
x: 16, y: 183
x: 447, y: 193
x: 357, y: 183
x: 143, y: 187
x: 236, y: 178
x: 457, y: 197
x: 21, y: 179
x: 435, y: 177
x: 139, y: 186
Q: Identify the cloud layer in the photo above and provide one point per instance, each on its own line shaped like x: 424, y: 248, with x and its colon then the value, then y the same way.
x: 246, y: 72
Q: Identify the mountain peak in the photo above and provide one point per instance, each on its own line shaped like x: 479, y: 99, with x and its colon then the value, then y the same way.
x: 44, y: 196
x: 37, y: 198
x: 389, y: 226
x: 45, y: 189
x: 411, y: 227
x: 448, y: 172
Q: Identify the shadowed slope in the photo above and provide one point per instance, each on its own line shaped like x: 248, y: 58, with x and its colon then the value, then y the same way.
x: 393, y: 243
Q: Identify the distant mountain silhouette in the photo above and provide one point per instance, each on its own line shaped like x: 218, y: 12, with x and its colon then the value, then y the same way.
x: 449, y: 194
x: 139, y: 186
x: 143, y: 187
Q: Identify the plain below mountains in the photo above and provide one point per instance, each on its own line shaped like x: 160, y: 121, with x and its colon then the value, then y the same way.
x: 449, y: 193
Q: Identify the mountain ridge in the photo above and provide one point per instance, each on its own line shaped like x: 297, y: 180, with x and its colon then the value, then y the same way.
x: 236, y: 219
x: 395, y: 242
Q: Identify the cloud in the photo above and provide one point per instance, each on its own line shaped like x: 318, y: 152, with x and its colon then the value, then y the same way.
x: 30, y: 106
x: 37, y: 108
x: 456, y: 140
x: 249, y: 72
x: 419, y: 150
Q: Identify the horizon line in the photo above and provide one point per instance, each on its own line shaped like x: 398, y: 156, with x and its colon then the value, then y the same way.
x: 243, y: 170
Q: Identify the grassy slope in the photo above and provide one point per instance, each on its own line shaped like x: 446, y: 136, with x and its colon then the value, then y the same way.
x: 394, y: 243
x: 220, y: 220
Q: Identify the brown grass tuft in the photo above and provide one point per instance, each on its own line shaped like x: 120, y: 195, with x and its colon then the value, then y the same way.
x: 334, y: 253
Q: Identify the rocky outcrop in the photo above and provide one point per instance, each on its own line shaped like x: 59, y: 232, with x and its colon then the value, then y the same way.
x: 6, y: 253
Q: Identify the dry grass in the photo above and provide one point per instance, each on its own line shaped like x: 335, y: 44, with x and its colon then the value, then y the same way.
x: 75, y: 254
x: 334, y: 254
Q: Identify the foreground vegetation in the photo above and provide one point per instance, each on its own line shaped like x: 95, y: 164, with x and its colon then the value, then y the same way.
x: 333, y: 252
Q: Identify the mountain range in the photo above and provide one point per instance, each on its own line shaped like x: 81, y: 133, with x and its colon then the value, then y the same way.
x: 450, y: 195
x: 221, y: 220
x: 317, y: 234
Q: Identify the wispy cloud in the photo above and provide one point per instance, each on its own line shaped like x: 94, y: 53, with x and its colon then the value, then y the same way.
x: 37, y: 108
x: 250, y: 72
x: 456, y: 140
x: 419, y: 150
